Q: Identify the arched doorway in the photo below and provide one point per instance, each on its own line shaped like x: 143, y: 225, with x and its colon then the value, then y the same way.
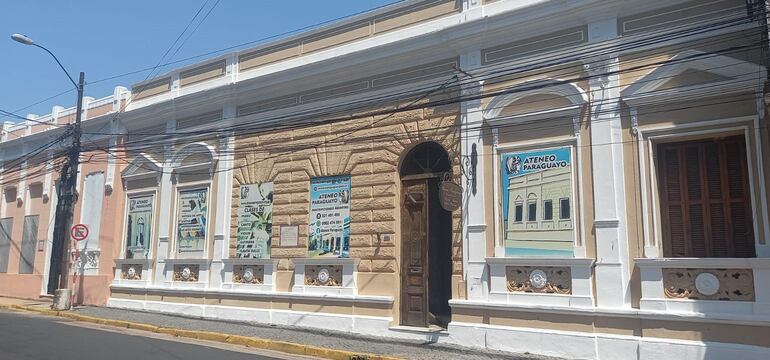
x: 426, y: 238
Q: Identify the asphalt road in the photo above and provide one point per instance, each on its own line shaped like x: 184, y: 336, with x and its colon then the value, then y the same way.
x: 26, y: 336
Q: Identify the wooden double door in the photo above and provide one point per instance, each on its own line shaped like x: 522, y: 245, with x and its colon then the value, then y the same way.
x: 425, y: 255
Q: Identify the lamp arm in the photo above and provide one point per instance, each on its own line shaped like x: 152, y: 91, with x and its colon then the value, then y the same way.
x: 60, y: 65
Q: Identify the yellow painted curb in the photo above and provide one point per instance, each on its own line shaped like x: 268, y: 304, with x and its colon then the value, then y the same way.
x: 143, y: 327
x: 257, y: 343
x: 212, y: 336
x: 169, y: 331
x: 287, y: 347
x: 238, y: 340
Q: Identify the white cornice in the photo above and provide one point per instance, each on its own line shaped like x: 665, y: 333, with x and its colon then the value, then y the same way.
x: 427, y: 41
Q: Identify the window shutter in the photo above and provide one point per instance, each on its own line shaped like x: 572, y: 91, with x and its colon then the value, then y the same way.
x: 673, y: 216
x: 705, y: 199
x: 740, y: 211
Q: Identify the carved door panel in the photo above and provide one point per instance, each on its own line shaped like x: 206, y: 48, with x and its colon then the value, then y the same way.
x: 414, y: 262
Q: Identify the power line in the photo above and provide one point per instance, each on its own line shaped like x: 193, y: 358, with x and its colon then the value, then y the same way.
x: 163, y: 57
x: 421, y: 105
x: 251, y: 42
x: 242, y: 130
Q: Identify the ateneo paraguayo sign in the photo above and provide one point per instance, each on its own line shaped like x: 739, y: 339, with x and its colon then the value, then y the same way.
x: 536, y: 196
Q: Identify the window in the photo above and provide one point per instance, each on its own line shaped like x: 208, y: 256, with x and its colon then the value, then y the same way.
x: 705, y: 199
x: 6, y: 228
x: 28, y: 245
x: 531, y: 181
x: 548, y: 210
x: 564, y: 210
x: 192, y: 217
x: 532, y: 211
x: 139, y: 226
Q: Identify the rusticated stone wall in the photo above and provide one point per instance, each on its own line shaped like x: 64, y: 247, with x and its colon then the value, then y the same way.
x: 370, y: 149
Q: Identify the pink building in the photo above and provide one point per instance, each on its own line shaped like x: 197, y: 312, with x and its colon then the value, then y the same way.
x: 31, y: 156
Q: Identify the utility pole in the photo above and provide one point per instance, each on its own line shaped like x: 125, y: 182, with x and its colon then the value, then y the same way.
x: 60, y: 259
x: 58, y: 283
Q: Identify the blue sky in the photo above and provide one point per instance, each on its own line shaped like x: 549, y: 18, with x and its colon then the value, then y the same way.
x: 107, y: 38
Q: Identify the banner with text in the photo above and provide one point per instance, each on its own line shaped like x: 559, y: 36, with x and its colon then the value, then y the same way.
x: 139, y: 226
x: 536, y: 202
x: 329, y: 225
x: 255, y: 221
x: 191, y: 221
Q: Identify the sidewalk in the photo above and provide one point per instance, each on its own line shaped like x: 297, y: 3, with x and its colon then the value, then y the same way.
x: 328, y: 344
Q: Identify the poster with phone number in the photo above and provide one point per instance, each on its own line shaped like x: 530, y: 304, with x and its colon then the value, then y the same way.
x: 329, y: 223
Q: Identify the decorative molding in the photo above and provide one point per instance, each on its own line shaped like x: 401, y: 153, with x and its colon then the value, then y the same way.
x: 564, y: 88
x: 131, y: 272
x: 193, y: 148
x: 323, y: 275
x: 85, y: 260
x: 531, y: 279
x: 539, y: 261
x: 249, y: 274
x: 143, y: 166
x: 741, y: 76
x: 709, y: 284
x: 716, y: 263
x: 186, y: 273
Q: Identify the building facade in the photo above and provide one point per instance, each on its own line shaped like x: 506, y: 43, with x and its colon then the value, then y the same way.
x: 579, y: 179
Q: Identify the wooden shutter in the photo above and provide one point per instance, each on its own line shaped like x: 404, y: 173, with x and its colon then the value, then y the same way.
x: 705, y: 200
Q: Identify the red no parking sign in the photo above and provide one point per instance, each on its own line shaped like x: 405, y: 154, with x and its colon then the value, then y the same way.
x: 79, y: 232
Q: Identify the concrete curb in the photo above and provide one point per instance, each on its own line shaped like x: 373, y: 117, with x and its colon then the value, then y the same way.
x: 267, y: 344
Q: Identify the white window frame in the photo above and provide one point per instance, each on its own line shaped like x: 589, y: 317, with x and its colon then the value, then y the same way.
x: 191, y: 186
x: 651, y: 136
x: 572, y: 141
x: 544, y: 213
x: 570, y: 208
x: 155, y: 209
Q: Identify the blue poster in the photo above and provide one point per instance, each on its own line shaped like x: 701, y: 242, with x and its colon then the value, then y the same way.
x: 329, y: 223
x: 537, y: 202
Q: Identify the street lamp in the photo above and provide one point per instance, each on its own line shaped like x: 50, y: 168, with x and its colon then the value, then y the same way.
x: 59, y: 257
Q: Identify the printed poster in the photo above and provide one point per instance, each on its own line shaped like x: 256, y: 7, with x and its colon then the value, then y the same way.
x: 537, y: 202
x: 255, y: 221
x: 191, y: 223
x: 139, y: 226
x: 329, y: 225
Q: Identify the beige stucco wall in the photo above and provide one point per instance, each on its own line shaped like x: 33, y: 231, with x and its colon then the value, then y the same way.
x: 619, y: 325
x: 686, y: 113
x: 633, y: 66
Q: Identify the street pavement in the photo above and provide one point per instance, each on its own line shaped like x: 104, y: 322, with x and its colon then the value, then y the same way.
x: 26, y: 336
x: 426, y: 349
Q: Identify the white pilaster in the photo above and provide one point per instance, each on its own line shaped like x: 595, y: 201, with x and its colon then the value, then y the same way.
x: 111, y: 158
x: 21, y: 190
x: 2, y: 187
x: 48, y: 178
x: 472, y: 9
x: 164, y: 216
x: 175, y: 84
x: 474, y: 221
x: 612, y: 259
x: 224, y: 179
x: 87, y: 100
x: 55, y: 115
